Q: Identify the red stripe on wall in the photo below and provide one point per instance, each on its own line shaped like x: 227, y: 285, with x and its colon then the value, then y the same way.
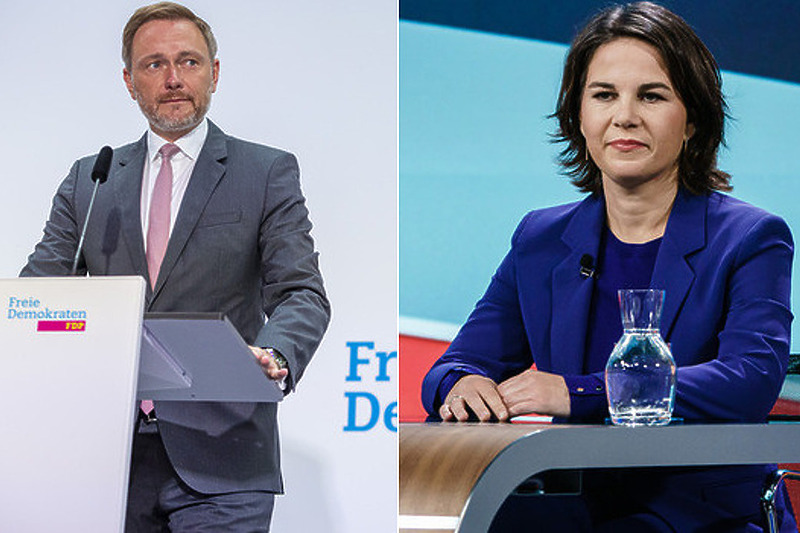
x: 417, y: 355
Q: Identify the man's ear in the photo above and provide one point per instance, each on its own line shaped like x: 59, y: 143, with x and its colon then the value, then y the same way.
x: 215, y: 74
x: 129, y: 82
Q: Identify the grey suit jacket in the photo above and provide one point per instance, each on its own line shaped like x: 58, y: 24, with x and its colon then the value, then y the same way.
x: 240, y: 246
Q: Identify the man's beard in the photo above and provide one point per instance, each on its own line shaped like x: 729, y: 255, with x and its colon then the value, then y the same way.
x: 173, y: 125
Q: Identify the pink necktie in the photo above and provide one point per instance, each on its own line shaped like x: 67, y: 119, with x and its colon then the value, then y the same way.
x: 158, y: 221
x: 158, y: 226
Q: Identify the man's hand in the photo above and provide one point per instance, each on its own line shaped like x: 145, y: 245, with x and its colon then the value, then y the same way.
x: 268, y: 364
x: 477, y: 393
x: 535, y: 392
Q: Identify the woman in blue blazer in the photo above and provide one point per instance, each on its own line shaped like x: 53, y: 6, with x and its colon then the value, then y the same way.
x: 641, y: 113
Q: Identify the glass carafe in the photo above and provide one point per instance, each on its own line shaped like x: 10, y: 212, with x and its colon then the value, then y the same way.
x: 640, y: 374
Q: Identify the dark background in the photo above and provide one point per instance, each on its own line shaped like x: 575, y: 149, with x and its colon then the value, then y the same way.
x: 745, y: 37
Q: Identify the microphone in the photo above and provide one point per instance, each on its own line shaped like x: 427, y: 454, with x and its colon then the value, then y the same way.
x: 102, y: 165
x: 99, y: 175
x: 587, y: 266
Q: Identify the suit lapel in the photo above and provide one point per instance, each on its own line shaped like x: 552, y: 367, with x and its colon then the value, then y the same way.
x: 684, y: 235
x: 572, y: 293
x: 207, y: 172
x: 128, y: 191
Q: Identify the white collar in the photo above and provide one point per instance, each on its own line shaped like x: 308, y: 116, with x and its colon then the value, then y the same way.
x: 190, y: 144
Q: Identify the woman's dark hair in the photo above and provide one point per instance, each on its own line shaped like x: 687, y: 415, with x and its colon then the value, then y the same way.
x: 694, y: 75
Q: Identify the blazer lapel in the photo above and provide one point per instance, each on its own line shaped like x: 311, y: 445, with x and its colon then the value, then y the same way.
x: 128, y: 191
x: 684, y: 235
x: 572, y: 292
x: 207, y: 172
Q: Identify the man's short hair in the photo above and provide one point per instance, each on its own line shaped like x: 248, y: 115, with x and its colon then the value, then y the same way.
x: 163, y: 11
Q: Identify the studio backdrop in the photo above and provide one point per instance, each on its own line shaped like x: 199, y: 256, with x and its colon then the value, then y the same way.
x: 478, y: 82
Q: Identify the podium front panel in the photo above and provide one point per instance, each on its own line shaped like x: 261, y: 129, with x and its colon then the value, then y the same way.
x: 68, y: 371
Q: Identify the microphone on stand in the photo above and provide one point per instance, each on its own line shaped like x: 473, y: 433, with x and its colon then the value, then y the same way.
x: 99, y: 175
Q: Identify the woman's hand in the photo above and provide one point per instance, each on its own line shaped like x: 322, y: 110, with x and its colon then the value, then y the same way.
x: 535, y: 392
x: 476, y: 393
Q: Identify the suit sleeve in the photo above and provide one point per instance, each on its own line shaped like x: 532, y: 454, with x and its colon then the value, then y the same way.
x: 492, y: 342
x: 292, y: 289
x: 743, y: 380
x: 54, y: 254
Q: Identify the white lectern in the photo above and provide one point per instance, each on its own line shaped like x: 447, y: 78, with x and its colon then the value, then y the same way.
x: 69, y: 368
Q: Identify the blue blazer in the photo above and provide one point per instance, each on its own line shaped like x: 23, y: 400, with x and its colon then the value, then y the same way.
x: 726, y: 269
x: 240, y: 246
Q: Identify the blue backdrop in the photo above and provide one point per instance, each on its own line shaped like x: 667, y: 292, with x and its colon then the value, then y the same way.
x: 474, y: 134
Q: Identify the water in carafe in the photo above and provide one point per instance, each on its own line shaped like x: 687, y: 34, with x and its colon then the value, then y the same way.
x: 640, y: 374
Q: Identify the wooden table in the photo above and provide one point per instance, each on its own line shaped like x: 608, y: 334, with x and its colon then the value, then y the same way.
x: 454, y: 477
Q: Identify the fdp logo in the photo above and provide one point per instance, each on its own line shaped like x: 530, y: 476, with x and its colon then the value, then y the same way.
x: 47, y: 319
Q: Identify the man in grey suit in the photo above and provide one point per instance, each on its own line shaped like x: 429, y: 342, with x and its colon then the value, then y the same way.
x: 229, y: 232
